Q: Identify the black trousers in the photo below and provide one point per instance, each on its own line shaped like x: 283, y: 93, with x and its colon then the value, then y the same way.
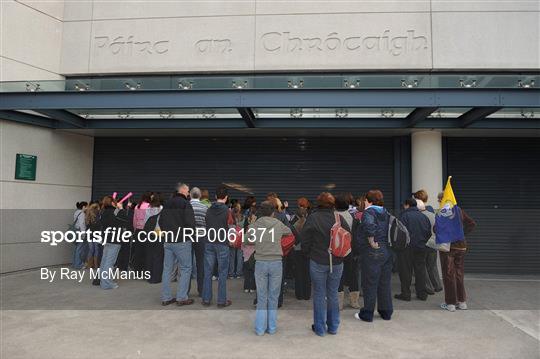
x: 198, y: 249
x: 138, y: 254
x: 122, y: 261
x: 154, y: 261
x: 408, y: 260
x: 302, y: 279
x: 249, y: 275
x: 349, y: 277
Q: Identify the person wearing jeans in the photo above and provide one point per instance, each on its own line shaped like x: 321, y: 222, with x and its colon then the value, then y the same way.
x: 268, y: 278
x: 176, y: 254
x: 371, y: 242
x: 176, y: 216
x: 219, y: 220
x: 376, y: 282
x: 79, y: 224
x: 110, y: 253
x: 215, y: 252
x: 325, y: 269
x: 266, y: 237
x: 325, y: 285
x: 115, y: 218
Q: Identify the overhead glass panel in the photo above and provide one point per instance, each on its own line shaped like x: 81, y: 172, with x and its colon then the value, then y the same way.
x: 279, y: 81
x: 516, y: 113
x: 188, y: 113
x: 264, y: 113
x: 449, y: 112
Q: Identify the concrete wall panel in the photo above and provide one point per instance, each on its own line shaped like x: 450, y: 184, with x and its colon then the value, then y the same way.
x: 11, y: 70
x: 30, y: 36
x: 488, y: 40
x: 76, y: 36
x: 63, y: 177
x: 340, y: 6
x: 130, y: 9
x: 165, y: 45
x: 352, y: 41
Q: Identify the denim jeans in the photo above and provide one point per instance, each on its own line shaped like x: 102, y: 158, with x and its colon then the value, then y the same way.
x: 268, y: 278
x: 78, y: 255
x: 110, y: 253
x: 93, y: 250
x: 215, y: 252
x: 176, y: 254
x: 235, y: 260
x: 325, y: 298
x: 376, y: 282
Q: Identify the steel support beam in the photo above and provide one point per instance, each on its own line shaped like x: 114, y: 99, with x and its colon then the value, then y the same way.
x: 476, y: 114
x: 281, y: 123
x: 63, y: 116
x: 370, y: 98
x: 248, y: 116
x: 27, y: 118
x: 163, y: 124
x: 418, y: 115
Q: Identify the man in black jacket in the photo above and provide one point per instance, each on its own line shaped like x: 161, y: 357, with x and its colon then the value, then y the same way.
x: 414, y: 256
x: 176, y: 218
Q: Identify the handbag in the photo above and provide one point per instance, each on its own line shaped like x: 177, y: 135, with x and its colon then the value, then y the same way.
x: 443, y: 247
x: 287, y: 244
x: 238, y: 238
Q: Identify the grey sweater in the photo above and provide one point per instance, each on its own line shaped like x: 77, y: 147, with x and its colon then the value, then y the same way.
x: 267, y: 243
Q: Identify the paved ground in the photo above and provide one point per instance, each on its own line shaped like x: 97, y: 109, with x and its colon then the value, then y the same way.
x: 67, y: 319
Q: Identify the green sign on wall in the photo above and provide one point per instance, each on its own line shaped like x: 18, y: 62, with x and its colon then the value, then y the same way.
x: 25, y: 167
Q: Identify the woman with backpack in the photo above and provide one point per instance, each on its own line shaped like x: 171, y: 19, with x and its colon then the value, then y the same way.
x: 325, y: 269
x: 372, y: 244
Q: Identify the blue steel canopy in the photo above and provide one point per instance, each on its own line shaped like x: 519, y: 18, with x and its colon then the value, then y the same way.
x: 386, y: 101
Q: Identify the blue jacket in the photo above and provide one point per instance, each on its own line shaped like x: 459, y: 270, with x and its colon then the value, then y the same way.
x: 418, y: 225
x: 374, y: 224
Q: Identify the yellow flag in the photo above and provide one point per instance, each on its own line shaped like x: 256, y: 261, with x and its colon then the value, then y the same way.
x: 448, y: 195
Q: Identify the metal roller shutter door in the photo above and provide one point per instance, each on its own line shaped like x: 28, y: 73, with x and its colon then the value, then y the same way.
x: 497, y: 181
x: 292, y: 167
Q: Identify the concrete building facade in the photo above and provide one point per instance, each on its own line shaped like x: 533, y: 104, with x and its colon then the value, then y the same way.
x: 55, y: 40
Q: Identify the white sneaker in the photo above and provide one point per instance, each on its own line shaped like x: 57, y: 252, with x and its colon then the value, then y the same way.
x: 246, y: 290
x: 449, y: 307
x: 214, y: 277
x: 357, y: 316
x: 462, y: 305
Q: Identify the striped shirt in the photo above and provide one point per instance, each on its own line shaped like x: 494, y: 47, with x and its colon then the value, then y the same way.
x: 199, y: 209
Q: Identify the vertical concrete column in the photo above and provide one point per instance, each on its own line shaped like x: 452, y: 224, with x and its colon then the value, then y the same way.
x: 427, y: 167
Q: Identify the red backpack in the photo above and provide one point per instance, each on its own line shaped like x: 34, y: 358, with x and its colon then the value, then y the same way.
x: 340, y: 241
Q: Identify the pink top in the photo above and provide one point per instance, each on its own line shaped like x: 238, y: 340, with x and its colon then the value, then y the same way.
x: 139, y: 215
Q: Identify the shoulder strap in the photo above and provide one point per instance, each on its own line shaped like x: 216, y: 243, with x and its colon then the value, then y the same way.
x: 77, y: 218
x: 338, y: 221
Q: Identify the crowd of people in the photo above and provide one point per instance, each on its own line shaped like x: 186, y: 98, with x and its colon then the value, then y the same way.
x: 317, y: 274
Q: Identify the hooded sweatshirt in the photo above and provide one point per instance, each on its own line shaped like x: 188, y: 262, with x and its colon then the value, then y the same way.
x: 267, y: 233
x: 219, y: 217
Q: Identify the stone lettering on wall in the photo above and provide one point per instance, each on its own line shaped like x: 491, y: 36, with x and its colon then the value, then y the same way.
x: 396, y: 44
x: 129, y: 45
x: 206, y: 46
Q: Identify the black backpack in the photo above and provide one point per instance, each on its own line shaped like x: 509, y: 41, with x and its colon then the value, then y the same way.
x: 398, y: 235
